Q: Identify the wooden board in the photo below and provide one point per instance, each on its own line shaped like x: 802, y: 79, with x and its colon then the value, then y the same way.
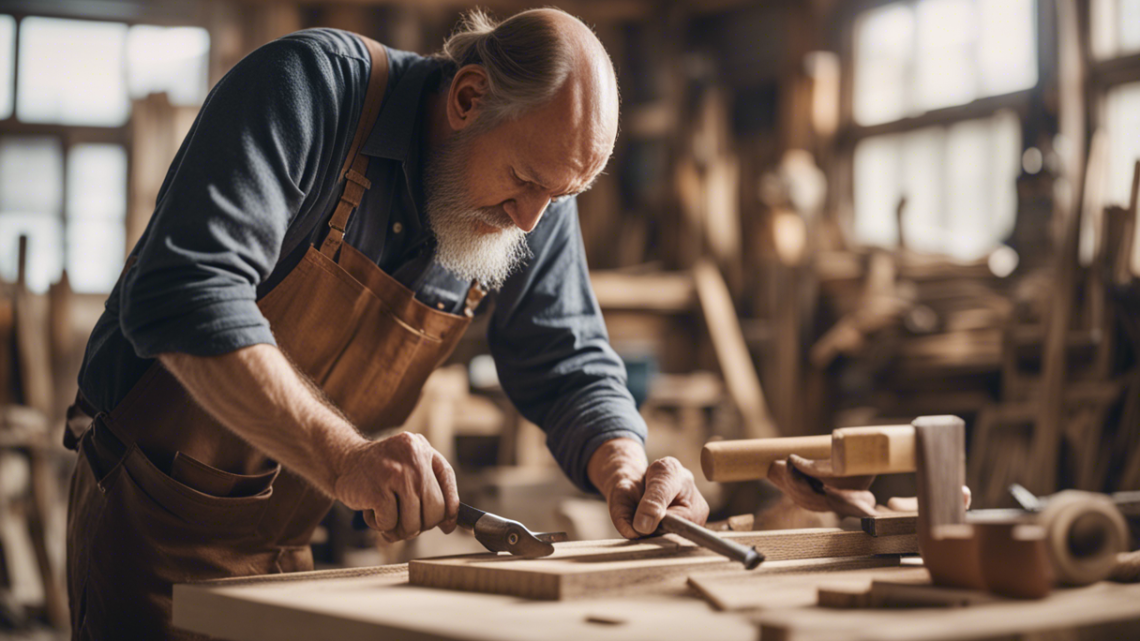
x: 751, y: 591
x: 377, y: 603
x: 583, y: 569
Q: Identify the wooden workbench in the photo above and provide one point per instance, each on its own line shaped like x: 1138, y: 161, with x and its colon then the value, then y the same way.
x: 379, y: 603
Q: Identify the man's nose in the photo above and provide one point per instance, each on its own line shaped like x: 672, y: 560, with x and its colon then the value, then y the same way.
x: 526, y: 210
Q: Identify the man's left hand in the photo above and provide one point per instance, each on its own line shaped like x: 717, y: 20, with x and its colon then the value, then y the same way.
x: 639, y: 494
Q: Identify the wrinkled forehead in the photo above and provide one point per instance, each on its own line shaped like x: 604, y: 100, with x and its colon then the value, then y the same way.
x: 572, y: 136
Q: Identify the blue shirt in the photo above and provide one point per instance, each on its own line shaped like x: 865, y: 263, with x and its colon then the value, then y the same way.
x: 252, y: 187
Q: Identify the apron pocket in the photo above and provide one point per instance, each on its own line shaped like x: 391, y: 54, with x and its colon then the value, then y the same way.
x: 207, y: 479
x: 211, y: 514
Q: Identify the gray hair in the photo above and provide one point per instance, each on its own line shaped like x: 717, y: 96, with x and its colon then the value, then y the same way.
x: 525, y: 58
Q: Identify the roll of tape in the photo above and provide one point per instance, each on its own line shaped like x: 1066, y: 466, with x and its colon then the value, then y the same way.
x: 1085, y: 532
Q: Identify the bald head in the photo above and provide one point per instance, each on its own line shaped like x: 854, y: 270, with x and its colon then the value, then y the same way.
x: 532, y: 58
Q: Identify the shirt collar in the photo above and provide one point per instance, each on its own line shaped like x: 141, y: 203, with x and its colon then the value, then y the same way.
x: 396, y: 132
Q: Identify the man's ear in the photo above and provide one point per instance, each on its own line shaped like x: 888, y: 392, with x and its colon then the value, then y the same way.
x: 465, y: 97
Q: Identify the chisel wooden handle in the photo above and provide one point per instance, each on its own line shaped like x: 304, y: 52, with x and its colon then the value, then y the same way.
x: 853, y: 451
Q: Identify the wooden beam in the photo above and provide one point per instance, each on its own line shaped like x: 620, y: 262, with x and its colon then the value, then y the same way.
x: 731, y: 351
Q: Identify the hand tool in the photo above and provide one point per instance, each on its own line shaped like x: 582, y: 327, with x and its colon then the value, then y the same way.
x: 504, y: 535
x: 749, y: 556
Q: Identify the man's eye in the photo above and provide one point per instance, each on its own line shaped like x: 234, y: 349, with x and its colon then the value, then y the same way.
x: 520, y: 181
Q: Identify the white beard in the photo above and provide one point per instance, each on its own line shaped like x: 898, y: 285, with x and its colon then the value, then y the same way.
x: 461, y: 249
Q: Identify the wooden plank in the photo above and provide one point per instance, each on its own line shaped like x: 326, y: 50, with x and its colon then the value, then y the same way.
x: 732, y: 352
x: 588, y: 568
x: 1046, y: 442
x: 361, y: 605
x: 773, y: 589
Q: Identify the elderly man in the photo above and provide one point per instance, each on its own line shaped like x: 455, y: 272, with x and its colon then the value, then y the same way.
x: 319, y: 245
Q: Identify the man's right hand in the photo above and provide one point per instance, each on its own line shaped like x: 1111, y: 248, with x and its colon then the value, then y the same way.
x: 402, y: 484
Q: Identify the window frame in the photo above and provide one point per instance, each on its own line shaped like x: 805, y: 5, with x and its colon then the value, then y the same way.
x: 68, y: 136
x: 851, y: 133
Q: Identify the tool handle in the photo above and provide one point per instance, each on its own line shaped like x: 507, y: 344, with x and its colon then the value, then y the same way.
x: 469, y: 516
x: 725, y: 461
x: 853, y: 451
x: 708, y: 539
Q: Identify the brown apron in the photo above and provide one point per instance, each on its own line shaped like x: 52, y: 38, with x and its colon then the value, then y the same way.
x: 162, y: 493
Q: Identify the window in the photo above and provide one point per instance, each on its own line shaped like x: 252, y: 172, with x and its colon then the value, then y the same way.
x: 96, y: 215
x: 957, y: 170
x: 1116, y: 27
x: 71, y: 73
x: 31, y: 185
x: 7, y: 64
x: 959, y: 182
x: 914, y: 57
x: 71, y: 102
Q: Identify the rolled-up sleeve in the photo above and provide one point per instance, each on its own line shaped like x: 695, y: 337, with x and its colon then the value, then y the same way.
x: 263, y: 139
x: 552, y: 352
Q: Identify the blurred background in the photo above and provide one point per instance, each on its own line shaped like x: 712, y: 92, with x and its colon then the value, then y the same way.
x: 819, y: 214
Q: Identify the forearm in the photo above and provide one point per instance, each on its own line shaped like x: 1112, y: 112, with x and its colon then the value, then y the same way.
x: 616, y: 460
x: 256, y: 393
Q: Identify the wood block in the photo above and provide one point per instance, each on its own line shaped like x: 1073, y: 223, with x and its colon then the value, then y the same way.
x: 589, y: 568
x: 890, y: 524
x: 776, y: 586
x: 857, y: 451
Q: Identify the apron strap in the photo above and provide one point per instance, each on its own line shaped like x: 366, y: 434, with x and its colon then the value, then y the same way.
x: 356, y: 164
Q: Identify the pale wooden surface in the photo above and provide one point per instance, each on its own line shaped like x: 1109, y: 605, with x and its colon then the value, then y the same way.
x: 583, y: 569
x: 382, y: 605
x: 378, y: 603
x: 1100, y: 611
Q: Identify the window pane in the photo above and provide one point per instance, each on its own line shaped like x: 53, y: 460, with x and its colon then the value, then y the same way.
x: 944, y: 70
x: 95, y: 253
x: 174, y: 60
x: 883, y: 47
x: 1123, y: 122
x: 7, y: 63
x: 72, y: 72
x: 1129, y: 21
x: 1008, y: 45
x: 97, y: 183
x: 877, y: 190
x: 31, y: 175
x: 45, y: 255
x: 913, y: 57
x: 959, y: 183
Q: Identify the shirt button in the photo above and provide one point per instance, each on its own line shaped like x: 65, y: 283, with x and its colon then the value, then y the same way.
x: 397, y: 228
x: 438, y: 305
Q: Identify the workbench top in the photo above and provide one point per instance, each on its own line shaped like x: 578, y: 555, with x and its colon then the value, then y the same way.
x: 379, y: 603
